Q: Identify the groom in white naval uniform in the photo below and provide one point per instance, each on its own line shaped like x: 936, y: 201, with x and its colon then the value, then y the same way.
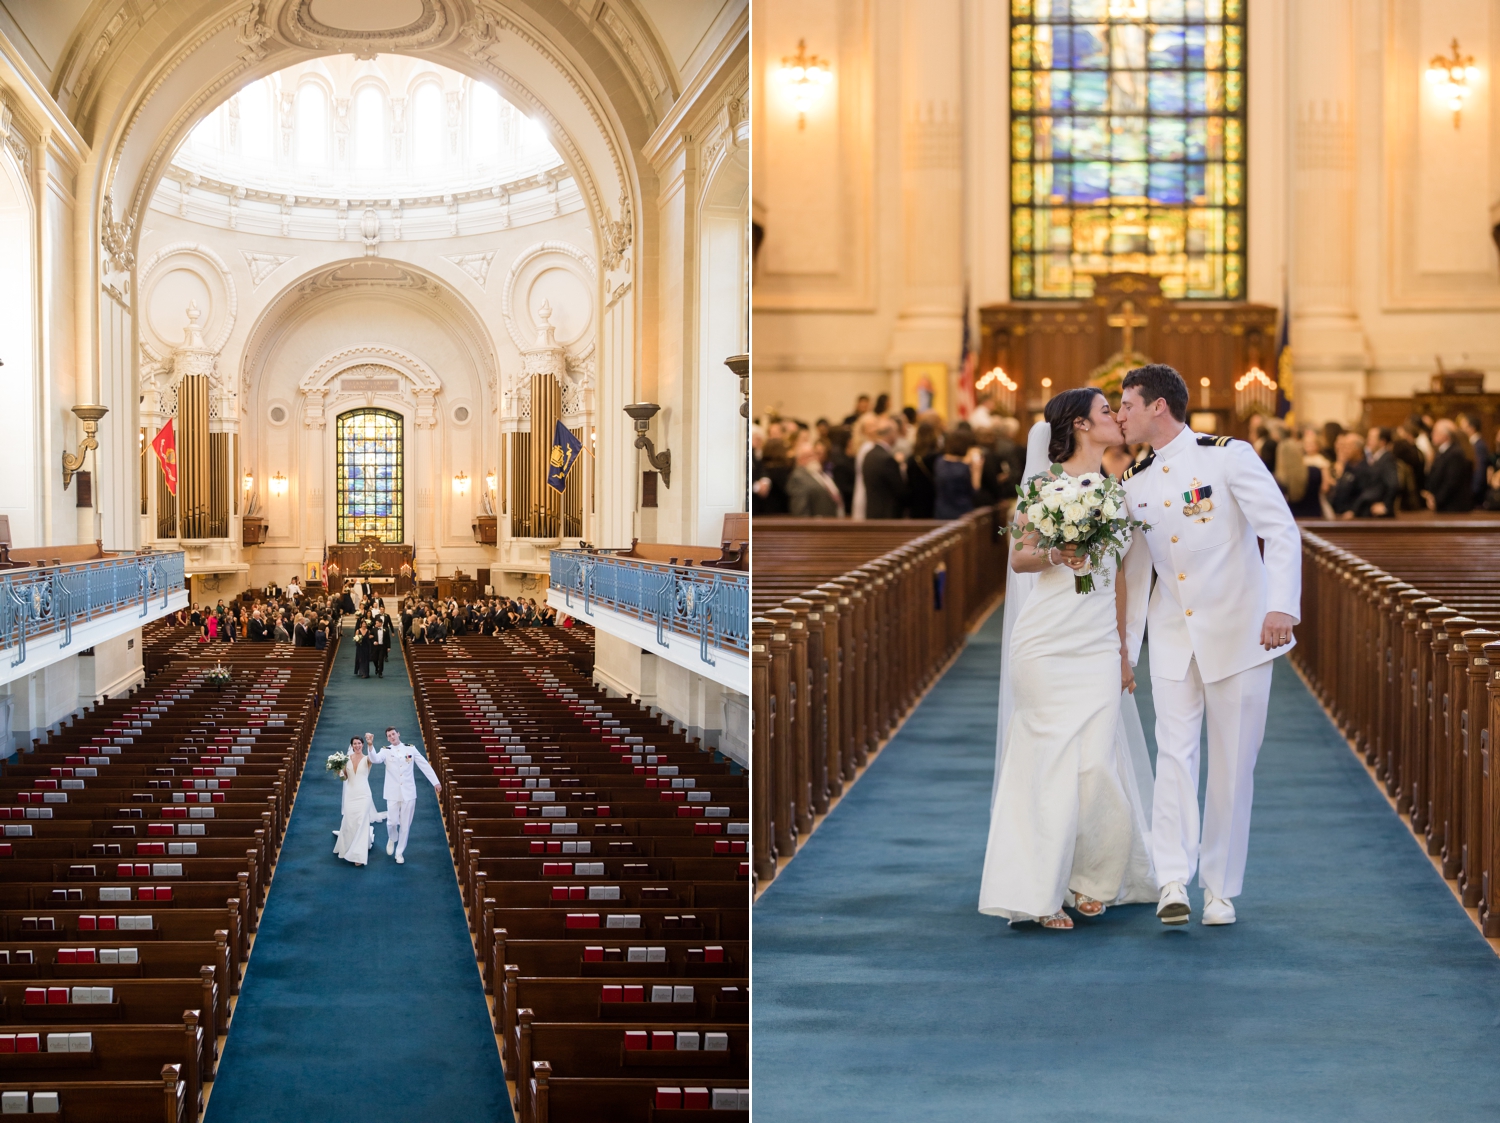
x: 1220, y: 613
x: 400, y: 762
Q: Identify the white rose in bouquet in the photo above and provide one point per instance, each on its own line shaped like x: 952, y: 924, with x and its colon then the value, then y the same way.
x: 1047, y: 526
x: 1070, y: 532
x: 1111, y: 509
x: 1036, y: 513
x: 1074, y: 512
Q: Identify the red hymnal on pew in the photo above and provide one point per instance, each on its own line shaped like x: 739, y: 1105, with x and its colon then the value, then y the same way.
x: 633, y: 993
x: 593, y: 955
x: 609, y: 994
x: 663, y: 1039
x: 668, y: 1098
x: 635, y: 1039
x: 696, y: 1099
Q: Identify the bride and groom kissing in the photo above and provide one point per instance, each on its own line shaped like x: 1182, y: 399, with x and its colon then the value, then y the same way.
x: 356, y: 830
x: 1077, y: 818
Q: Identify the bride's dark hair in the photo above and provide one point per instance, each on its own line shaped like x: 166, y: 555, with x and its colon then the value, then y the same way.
x: 1062, y: 411
x: 357, y: 741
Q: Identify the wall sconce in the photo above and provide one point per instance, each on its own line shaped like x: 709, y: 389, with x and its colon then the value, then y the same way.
x: 90, y: 416
x: 642, y: 413
x: 461, y: 484
x: 1046, y: 389
x: 805, y: 77
x: 739, y: 366
x: 1451, y: 78
x: 1254, y: 392
x: 492, y: 481
x: 278, y: 484
x: 1203, y: 398
x: 249, y: 481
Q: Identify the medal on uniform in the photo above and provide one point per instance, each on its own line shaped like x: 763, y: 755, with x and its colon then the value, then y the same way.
x: 1196, y: 501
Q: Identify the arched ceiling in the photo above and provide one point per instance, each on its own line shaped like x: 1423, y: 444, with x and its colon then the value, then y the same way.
x: 599, y: 75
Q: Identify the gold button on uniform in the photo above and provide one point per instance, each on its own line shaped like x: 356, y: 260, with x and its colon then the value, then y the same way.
x: 1182, y: 577
x: 1165, y: 468
x: 1174, y: 538
x: 1167, y: 502
x: 1190, y: 612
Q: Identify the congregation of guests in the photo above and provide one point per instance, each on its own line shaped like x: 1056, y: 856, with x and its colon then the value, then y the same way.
x: 880, y: 463
x: 270, y: 615
x: 432, y: 620
x: 885, y: 463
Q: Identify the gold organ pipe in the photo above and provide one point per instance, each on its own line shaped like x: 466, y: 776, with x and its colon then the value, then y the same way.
x: 219, y: 485
x: 194, y: 486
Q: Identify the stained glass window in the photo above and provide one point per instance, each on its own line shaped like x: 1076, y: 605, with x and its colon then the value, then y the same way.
x: 369, y: 475
x: 1128, y: 145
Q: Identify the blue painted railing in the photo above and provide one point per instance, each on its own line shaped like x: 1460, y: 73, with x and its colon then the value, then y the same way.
x: 710, y: 606
x: 40, y: 600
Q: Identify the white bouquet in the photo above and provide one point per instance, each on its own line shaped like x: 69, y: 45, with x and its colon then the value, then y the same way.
x: 1088, y: 512
x: 337, y: 762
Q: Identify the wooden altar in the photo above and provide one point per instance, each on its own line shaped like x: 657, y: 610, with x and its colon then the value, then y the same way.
x: 1068, y: 341
x: 378, y: 559
x: 1451, y: 393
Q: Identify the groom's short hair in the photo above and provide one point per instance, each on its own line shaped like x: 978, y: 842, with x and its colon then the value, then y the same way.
x: 1157, y: 380
x: 390, y: 729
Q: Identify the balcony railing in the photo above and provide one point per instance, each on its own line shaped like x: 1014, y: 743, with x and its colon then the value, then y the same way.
x: 57, y: 598
x: 712, y: 607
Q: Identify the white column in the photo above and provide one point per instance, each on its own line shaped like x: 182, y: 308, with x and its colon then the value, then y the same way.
x: 1328, y: 342
x: 929, y: 326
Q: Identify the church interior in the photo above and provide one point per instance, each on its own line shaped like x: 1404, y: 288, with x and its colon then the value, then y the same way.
x: 965, y: 214
x: 377, y: 383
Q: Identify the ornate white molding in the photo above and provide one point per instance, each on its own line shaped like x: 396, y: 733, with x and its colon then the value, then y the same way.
x: 208, y: 254
x: 476, y: 265
x: 262, y: 265
x: 422, y: 381
x: 524, y: 258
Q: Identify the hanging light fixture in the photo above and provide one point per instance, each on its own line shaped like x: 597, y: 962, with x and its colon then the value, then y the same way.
x: 1450, y: 76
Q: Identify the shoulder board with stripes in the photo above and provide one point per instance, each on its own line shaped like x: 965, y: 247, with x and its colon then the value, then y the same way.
x: 1214, y: 442
x: 1134, y: 468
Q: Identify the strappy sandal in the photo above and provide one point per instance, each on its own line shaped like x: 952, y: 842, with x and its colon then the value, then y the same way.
x: 1087, y: 906
x: 1058, y: 920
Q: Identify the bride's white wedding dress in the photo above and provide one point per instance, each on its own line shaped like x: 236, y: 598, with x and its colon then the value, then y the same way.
x: 1069, y: 812
x: 359, y: 815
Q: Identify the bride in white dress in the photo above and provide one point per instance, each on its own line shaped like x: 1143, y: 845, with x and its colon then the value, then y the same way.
x: 1068, y: 820
x: 357, y: 826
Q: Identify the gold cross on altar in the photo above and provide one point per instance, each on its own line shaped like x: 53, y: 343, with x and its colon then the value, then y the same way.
x: 1128, y: 319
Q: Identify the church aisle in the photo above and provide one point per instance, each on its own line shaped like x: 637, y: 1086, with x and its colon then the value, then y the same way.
x: 1353, y: 986
x: 362, y: 1000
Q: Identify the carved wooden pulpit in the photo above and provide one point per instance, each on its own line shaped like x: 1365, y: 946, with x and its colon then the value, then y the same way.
x: 1126, y: 323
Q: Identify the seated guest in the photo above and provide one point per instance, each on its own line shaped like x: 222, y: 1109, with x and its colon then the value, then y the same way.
x: 811, y: 492
x: 956, y: 475
x: 1350, y: 475
x: 1384, y: 484
x: 1450, y: 480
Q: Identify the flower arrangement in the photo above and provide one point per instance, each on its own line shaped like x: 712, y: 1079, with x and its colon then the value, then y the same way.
x: 218, y: 676
x: 337, y: 762
x: 1087, y: 512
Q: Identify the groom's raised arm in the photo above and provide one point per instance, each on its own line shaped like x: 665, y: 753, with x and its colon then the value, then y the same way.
x: 1266, y: 508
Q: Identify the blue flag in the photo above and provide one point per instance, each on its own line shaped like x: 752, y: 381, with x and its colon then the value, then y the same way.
x: 565, y: 450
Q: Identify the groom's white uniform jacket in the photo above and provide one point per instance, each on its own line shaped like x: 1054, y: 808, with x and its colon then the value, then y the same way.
x: 400, y: 762
x: 1213, y: 588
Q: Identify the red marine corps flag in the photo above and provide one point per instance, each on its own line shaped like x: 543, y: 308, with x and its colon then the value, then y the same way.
x: 165, y: 446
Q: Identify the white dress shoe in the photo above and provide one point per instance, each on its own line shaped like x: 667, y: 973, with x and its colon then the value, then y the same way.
x: 1174, y: 907
x: 390, y: 847
x: 400, y: 861
x: 1217, y: 910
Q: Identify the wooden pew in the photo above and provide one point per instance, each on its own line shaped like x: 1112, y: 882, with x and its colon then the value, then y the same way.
x: 1400, y: 639
x: 853, y: 622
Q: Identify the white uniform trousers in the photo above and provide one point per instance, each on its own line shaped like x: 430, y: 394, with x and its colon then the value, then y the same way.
x: 398, y: 822
x: 1236, y: 724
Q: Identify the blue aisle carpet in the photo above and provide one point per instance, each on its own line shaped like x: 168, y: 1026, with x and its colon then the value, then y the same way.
x: 1353, y: 987
x: 362, y: 1001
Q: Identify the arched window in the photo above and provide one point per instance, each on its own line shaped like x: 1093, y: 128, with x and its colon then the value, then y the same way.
x: 312, y: 125
x: 427, y: 126
x: 369, y: 477
x: 369, y: 129
x: 1128, y: 147
x: 257, y: 131
x: 484, y: 124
